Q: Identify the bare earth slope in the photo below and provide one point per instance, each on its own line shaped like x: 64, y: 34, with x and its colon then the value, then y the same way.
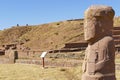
x: 47, y: 36
x: 13, y: 34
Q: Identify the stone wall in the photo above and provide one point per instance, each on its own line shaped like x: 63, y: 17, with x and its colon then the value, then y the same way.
x: 4, y: 60
x: 28, y: 54
x: 68, y: 63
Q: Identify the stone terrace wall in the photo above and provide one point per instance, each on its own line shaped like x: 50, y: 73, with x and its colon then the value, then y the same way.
x: 28, y: 54
x: 68, y: 63
x: 4, y: 60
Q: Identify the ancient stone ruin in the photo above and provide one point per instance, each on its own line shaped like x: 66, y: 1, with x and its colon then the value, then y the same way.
x: 100, y: 54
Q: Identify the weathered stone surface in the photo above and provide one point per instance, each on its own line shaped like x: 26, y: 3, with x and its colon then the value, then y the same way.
x: 12, y: 56
x: 100, y: 53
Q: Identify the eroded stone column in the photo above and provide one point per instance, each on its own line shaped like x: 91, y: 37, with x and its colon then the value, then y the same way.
x: 100, y: 54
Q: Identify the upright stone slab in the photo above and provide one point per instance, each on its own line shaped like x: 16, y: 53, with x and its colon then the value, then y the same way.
x: 100, y: 54
x: 12, y: 56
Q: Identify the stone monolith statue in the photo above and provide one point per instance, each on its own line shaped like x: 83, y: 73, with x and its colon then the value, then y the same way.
x: 100, y: 54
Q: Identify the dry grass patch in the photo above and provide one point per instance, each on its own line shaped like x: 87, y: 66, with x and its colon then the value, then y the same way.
x: 118, y: 74
x: 35, y: 72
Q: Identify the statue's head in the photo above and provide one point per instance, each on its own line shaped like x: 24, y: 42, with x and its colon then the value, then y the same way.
x: 98, y: 22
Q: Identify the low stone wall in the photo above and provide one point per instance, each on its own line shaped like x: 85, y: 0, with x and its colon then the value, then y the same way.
x: 68, y: 63
x: 4, y: 60
x: 51, y: 54
x: 28, y: 54
x: 67, y: 55
x: 38, y: 62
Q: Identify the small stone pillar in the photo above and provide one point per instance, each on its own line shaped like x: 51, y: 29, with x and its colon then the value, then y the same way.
x: 12, y: 56
x: 100, y: 54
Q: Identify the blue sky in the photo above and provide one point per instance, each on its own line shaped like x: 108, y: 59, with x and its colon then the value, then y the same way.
x: 35, y: 12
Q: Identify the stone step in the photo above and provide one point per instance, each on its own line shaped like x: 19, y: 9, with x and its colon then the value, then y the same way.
x: 117, y: 42
x: 117, y: 45
x: 116, y: 28
x: 76, y: 45
x: 116, y: 37
x: 117, y: 48
x: 116, y: 32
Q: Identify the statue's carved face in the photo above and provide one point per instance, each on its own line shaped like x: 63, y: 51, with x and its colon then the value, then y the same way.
x: 98, y: 22
x: 93, y: 28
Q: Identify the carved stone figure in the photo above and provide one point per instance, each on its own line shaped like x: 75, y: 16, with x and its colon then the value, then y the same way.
x: 100, y: 54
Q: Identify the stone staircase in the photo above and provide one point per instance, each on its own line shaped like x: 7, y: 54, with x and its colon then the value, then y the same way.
x: 83, y: 45
x: 116, y: 36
